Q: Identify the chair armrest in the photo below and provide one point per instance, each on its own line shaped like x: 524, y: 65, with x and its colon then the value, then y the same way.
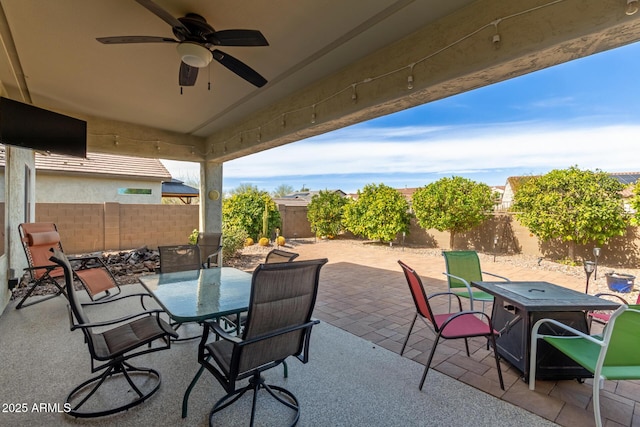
x: 618, y: 297
x: 42, y: 267
x: 221, y: 333
x: 459, y: 278
x: 115, y: 321
x: 578, y: 334
x: 278, y: 332
x: 449, y: 294
x: 495, y: 275
x: 118, y: 298
x: 212, y: 255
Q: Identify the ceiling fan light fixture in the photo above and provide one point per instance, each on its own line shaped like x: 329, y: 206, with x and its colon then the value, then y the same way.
x: 194, y: 54
x: 632, y: 7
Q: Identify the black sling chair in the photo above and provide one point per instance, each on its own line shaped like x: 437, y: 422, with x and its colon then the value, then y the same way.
x: 110, y: 350
x: 279, y: 324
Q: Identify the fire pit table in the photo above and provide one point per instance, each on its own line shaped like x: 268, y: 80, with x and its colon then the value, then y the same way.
x: 518, y: 305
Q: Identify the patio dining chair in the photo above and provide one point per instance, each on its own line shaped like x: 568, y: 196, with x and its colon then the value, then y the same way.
x: 602, y: 317
x: 462, y: 268
x: 210, y: 245
x: 38, y: 238
x: 279, y: 325
x: 278, y: 255
x: 179, y: 258
x: 111, y: 344
x: 453, y: 325
x: 614, y: 355
x: 274, y: 256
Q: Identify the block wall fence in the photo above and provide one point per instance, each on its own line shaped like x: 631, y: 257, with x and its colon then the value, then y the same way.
x: 88, y: 228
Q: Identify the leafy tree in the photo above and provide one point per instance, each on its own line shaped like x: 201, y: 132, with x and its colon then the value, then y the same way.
x: 243, y: 188
x: 635, y: 204
x: 573, y: 205
x: 453, y: 204
x: 282, y: 190
x: 379, y: 213
x: 325, y: 213
x: 245, y: 210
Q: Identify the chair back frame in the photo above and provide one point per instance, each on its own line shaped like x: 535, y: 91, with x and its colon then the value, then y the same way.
x: 179, y: 258
x: 462, y: 268
x: 418, y: 294
x: 278, y: 255
x: 210, y: 245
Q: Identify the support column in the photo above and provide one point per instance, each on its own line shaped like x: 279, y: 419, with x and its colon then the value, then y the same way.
x: 211, y: 197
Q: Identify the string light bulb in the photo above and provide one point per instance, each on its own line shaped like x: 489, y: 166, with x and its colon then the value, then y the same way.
x: 354, y: 94
x: 410, y: 77
x: 496, y: 39
x: 632, y: 7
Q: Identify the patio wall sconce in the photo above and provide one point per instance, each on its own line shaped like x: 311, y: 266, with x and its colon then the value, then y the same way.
x: 596, y: 254
x: 495, y: 247
x: 632, y: 7
x: 589, y: 266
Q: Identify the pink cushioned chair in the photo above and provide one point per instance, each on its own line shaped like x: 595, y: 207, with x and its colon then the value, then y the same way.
x: 460, y: 324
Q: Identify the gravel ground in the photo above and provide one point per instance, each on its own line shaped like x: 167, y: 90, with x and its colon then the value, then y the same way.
x: 251, y: 256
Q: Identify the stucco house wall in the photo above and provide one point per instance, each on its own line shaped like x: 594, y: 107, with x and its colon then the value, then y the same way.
x: 55, y: 188
x: 99, y: 178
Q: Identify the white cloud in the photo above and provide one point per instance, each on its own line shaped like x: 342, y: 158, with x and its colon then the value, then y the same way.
x: 532, y: 146
x: 489, y: 150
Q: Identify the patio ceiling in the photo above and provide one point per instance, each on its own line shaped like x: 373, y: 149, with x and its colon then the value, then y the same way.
x: 329, y: 64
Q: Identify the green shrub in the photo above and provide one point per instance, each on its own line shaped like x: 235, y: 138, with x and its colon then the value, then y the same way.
x: 233, y: 240
x: 193, y: 237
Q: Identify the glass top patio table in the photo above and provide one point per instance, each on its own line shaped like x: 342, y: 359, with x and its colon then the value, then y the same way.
x: 197, y: 295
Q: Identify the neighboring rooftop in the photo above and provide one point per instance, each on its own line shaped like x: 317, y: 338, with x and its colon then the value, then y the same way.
x: 103, y: 164
x: 178, y: 189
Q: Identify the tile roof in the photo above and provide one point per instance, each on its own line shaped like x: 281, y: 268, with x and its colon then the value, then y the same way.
x: 103, y: 164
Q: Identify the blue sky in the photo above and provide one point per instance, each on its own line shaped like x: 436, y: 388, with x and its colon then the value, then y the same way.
x: 585, y: 113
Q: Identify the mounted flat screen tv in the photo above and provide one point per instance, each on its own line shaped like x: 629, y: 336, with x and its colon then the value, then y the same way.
x: 24, y: 125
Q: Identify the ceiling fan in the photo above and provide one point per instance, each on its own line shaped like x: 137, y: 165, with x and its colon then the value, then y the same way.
x: 196, y: 40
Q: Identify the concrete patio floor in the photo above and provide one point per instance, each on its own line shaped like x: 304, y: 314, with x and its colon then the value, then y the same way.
x: 356, y: 374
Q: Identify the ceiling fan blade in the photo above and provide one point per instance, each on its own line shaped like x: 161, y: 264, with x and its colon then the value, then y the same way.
x: 135, y: 39
x: 163, y: 14
x: 188, y: 75
x: 240, y: 68
x: 238, y: 38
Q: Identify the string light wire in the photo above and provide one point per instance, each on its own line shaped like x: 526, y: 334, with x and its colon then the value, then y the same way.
x: 281, y: 118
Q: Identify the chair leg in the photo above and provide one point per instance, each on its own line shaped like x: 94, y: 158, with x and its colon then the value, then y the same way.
x: 21, y: 304
x: 495, y: 355
x: 596, y: 402
x: 256, y: 383
x: 123, y: 369
x: 409, y: 333
x: 426, y: 368
x: 466, y: 346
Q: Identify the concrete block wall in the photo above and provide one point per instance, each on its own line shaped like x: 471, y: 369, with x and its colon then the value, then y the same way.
x: 113, y: 226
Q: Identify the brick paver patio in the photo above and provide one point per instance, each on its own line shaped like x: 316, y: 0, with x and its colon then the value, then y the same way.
x: 364, y: 292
